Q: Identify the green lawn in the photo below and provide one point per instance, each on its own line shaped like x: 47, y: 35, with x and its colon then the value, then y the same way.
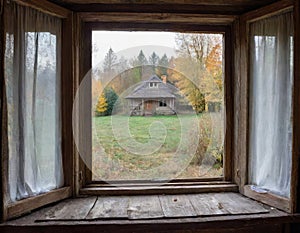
x: 118, y: 143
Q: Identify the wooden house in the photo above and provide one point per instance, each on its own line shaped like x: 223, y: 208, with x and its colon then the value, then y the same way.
x: 258, y: 192
x: 153, y: 96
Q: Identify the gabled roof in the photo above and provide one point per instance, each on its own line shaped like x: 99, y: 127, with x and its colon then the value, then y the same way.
x: 143, y: 90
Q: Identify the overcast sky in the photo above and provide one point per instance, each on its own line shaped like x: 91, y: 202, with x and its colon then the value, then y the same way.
x: 160, y: 42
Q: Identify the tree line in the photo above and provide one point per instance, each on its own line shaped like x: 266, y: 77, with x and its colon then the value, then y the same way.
x: 196, y: 70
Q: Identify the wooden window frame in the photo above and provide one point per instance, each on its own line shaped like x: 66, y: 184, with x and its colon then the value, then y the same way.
x: 15, y: 209
x: 75, y: 47
x: 242, y: 77
x: 155, y: 22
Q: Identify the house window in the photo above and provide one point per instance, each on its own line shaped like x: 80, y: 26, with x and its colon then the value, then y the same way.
x: 152, y: 85
x: 162, y: 103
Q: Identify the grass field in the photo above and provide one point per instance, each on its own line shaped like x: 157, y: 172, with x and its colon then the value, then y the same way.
x: 154, y: 148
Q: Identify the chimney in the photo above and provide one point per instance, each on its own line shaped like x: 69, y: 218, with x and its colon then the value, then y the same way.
x: 164, y: 78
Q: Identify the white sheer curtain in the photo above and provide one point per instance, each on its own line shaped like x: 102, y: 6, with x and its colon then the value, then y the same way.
x: 271, y: 82
x: 32, y: 76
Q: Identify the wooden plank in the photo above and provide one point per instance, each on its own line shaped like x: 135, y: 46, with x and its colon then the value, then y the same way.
x: 144, y: 207
x: 273, y: 217
x: 207, y: 205
x: 243, y: 111
x: 45, y: 7
x: 110, y: 207
x: 228, y: 99
x: 76, y: 49
x: 128, y: 183
x: 234, y: 203
x: 268, y: 198
x: 268, y: 11
x: 82, y: 121
x: 187, y: 2
x: 71, y: 209
x: 177, y: 227
x: 3, y: 123
x: 170, y: 27
x: 156, y: 18
x: 295, y: 186
x: 29, y: 204
x: 174, y: 181
x: 176, y: 206
x: 158, y: 190
x: 224, y: 204
x: 236, y: 106
x: 67, y: 96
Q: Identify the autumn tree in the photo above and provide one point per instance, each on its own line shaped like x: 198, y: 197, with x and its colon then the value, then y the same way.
x: 213, y: 81
x: 195, y: 52
x: 101, y: 107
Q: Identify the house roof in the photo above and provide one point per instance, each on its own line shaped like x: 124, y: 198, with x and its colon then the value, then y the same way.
x: 143, y: 89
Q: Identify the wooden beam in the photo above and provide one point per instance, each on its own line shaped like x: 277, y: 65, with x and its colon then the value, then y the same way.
x: 268, y: 11
x: 236, y: 105
x: 130, y: 184
x: 45, y: 7
x: 3, y: 120
x: 167, y: 27
x: 26, y: 205
x: 228, y: 99
x: 67, y: 97
x: 243, y: 102
x: 295, y: 173
x: 187, y: 2
x: 112, y: 17
x: 76, y: 48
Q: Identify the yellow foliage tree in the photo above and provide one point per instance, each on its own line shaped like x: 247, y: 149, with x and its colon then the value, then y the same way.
x: 101, y: 106
x: 213, y: 81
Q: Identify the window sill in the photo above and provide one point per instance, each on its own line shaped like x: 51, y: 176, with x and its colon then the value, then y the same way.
x: 76, y: 221
x: 27, y: 205
x: 269, y: 199
x: 146, y: 189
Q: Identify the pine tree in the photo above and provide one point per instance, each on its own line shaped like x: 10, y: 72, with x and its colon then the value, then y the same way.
x: 141, y: 59
x: 153, y: 59
x: 110, y: 61
x: 163, y: 65
x: 111, y: 98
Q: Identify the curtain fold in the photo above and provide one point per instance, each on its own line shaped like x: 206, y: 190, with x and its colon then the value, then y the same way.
x: 32, y: 76
x: 270, y: 105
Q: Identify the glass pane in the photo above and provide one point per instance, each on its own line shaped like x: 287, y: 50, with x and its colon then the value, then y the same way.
x: 158, y: 108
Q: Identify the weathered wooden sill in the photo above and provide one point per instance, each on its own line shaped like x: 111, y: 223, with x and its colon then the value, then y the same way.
x: 145, y: 189
x: 72, y: 216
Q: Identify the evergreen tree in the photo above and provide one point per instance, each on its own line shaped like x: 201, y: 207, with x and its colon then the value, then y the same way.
x: 153, y: 59
x: 163, y: 65
x: 111, y: 98
x: 141, y: 59
x: 110, y: 61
